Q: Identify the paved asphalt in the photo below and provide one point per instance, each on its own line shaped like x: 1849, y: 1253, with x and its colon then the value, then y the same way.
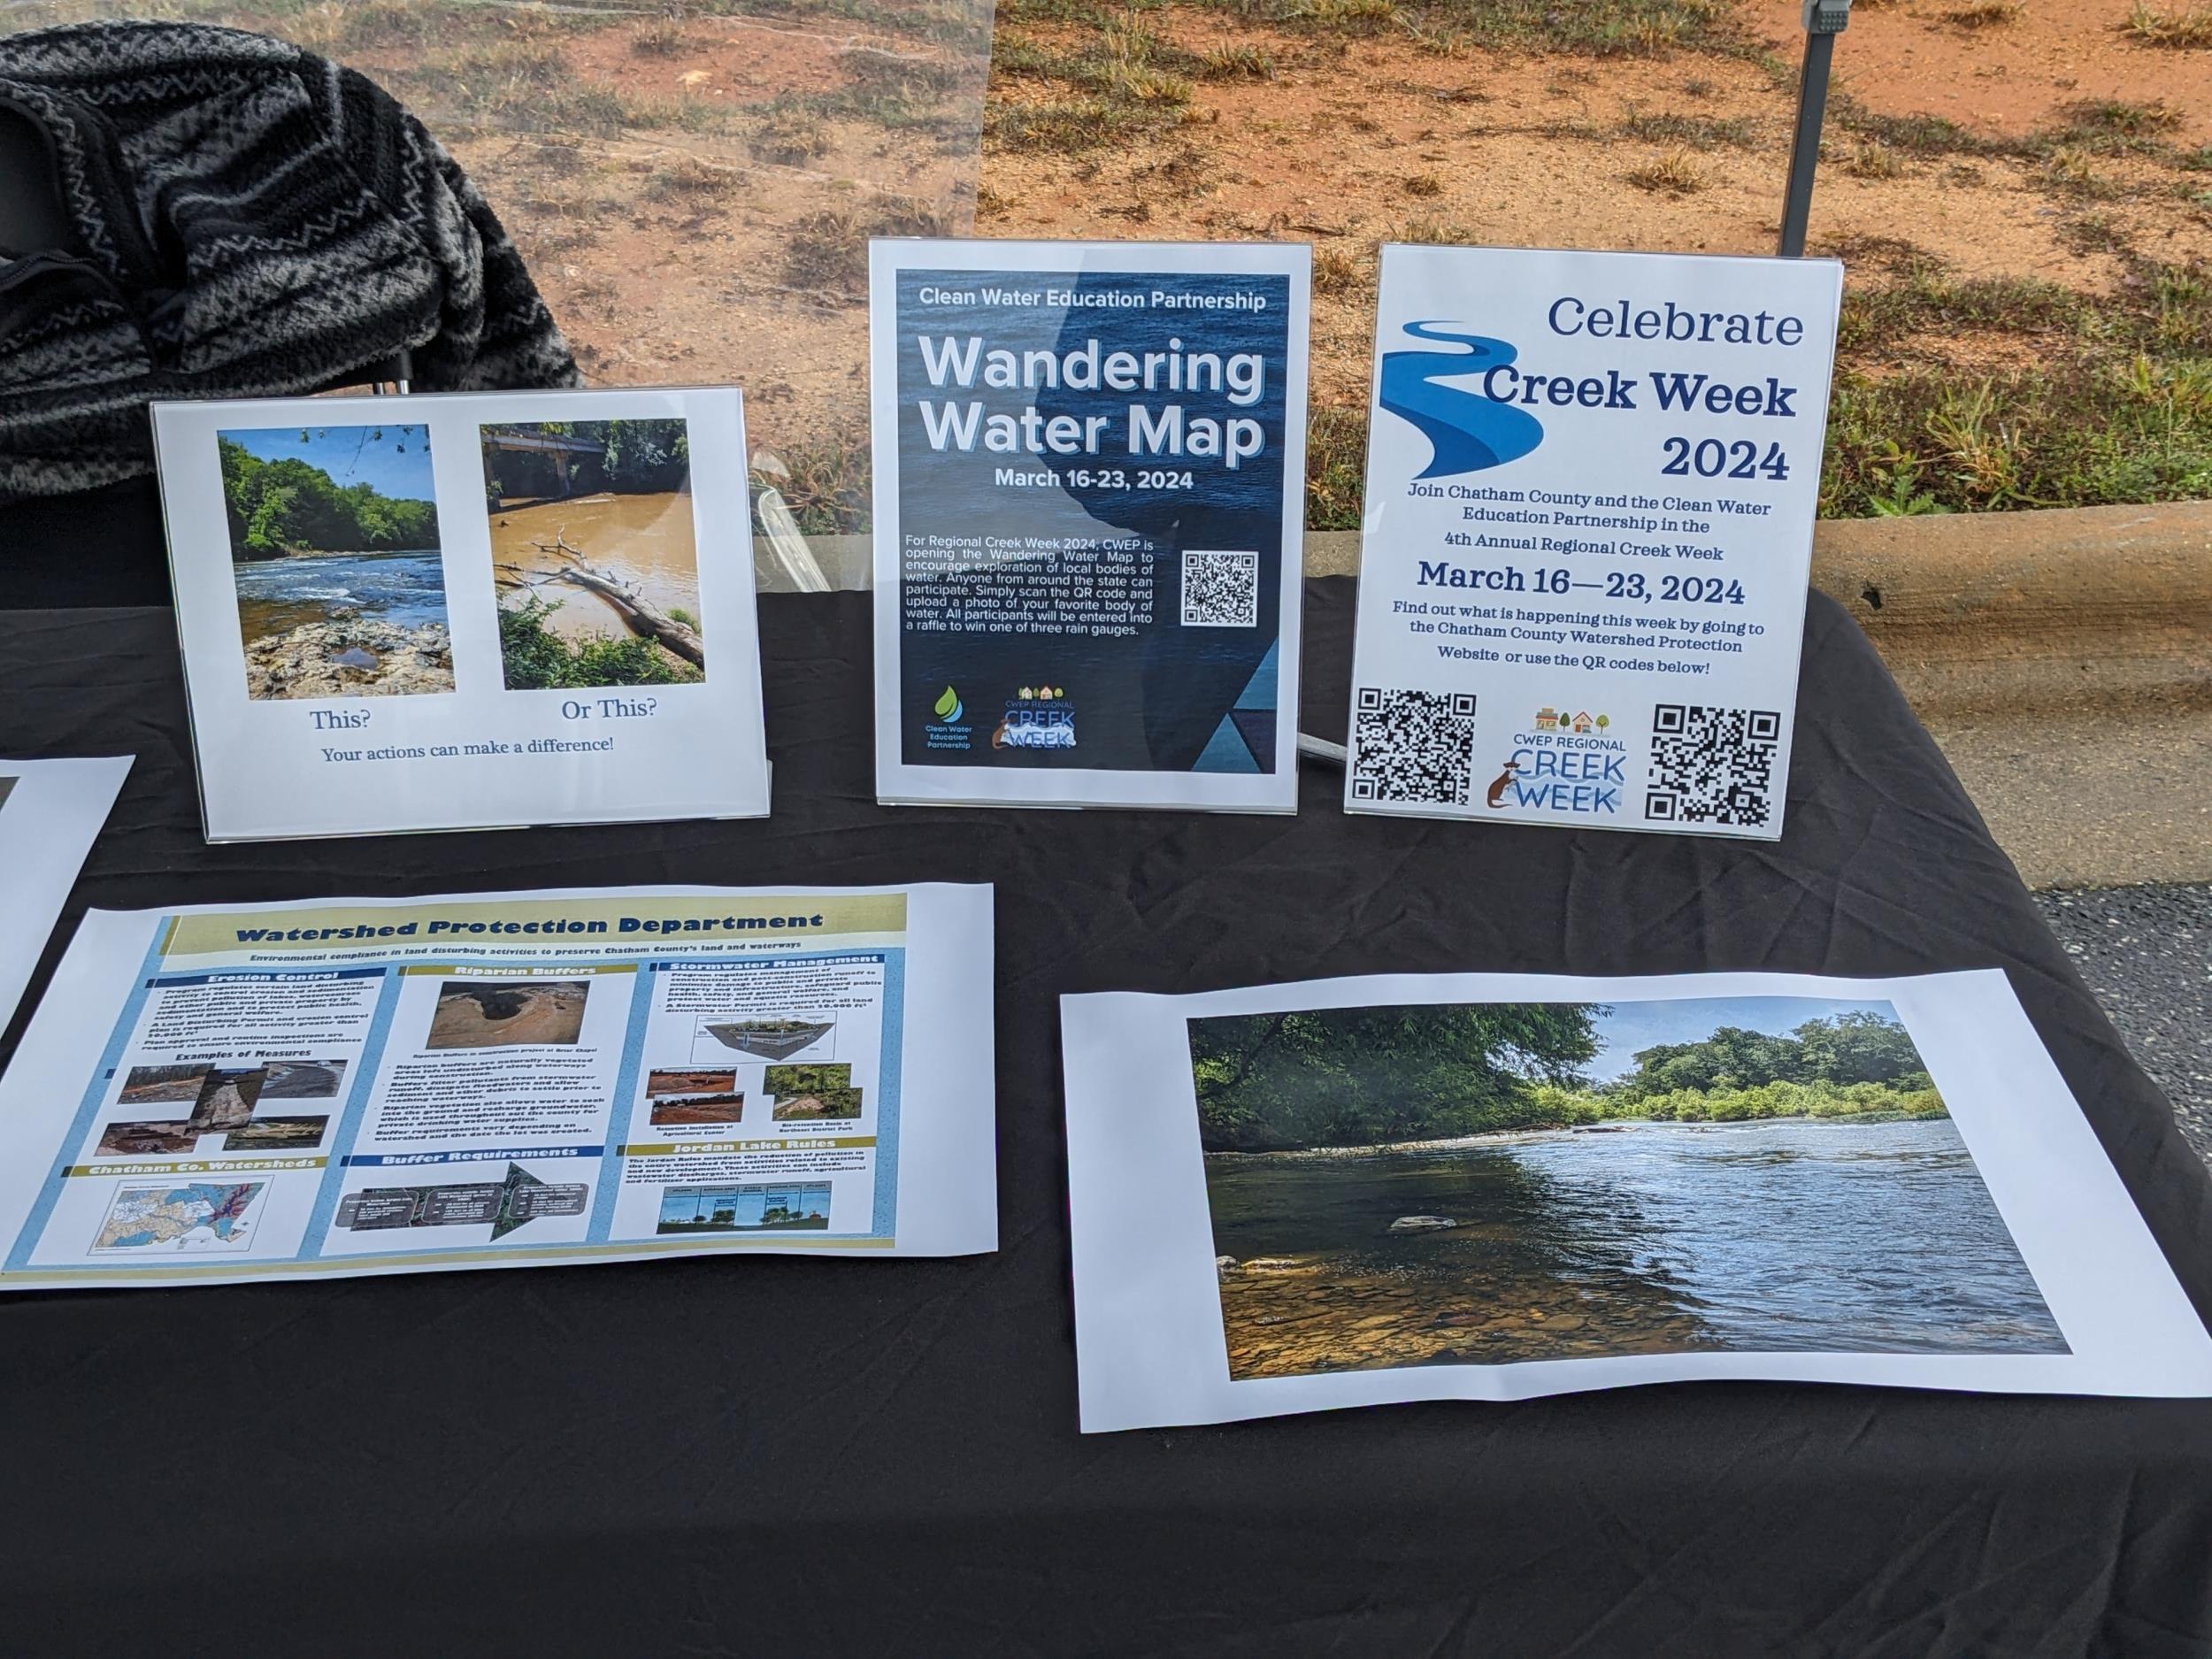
x: 2147, y: 952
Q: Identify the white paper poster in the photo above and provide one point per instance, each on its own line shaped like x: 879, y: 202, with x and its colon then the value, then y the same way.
x: 1089, y: 487
x: 1591, y: 481
x: 503, y: 1080
x: 1493, y: 1186
x: 465, y: 611
x: 51, y: 813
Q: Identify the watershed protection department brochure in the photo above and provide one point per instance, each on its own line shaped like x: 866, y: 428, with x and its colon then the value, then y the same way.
x: 1090, y: 474
x: 1493, y: 1186
x: 1590, y: 488
x: 465, y: 611
x: 503, y: 1080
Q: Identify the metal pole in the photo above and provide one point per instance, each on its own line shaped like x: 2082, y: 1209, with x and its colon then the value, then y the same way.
x: 1824, y: 20
x: 1812, y: 105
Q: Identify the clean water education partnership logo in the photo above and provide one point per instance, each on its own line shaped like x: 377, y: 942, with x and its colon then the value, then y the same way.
x: 950, y: 729
x: 1467, y: 431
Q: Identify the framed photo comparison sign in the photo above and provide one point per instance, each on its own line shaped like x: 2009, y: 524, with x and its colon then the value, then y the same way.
x: 465, y: 611
x: 1591, y: 479
x: 1089, y: 485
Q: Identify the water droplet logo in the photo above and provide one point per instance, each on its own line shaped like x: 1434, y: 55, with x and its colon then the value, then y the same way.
x: 1466, y: 431
x: 947, y: 707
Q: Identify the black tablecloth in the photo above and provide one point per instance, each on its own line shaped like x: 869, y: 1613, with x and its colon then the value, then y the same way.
x: 760, y: 1456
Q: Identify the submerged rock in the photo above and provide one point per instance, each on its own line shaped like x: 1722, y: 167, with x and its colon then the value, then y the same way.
x: 1422, y: 1224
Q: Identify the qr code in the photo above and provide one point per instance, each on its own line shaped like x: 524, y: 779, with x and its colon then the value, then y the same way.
x: 1414, y: 746
x: 1712, y: 766
x: 1221, y: 590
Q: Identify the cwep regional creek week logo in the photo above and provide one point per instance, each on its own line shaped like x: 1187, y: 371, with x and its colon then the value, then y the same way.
x: 1037, y: 718
x: 1566, y: 764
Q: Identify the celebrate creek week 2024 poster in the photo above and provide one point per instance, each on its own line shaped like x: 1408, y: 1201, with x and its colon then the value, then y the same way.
x: 1090, y: 470
x: 1591, y: 479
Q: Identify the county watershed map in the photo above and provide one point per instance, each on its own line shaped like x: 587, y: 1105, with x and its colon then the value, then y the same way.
x: 187, y: 1216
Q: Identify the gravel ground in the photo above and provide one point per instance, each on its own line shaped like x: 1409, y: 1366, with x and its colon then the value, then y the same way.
x: 2147, y: 952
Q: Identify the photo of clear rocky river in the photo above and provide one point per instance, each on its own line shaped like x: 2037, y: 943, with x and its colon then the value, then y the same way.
x: 1636, y: 1237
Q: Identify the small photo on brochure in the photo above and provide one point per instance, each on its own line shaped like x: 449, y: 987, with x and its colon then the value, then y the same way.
x: 145, y: 1084
x: 337, y: 560
x: 230, y: 1101
x: 179, y: 1217
x: 7, y: 787
x: 804, y: 1092
x: 683, y: 1110
x: 595, y: 553
x: 659, y: 1083
x: 302, y: 1079
x: 1490, y: 1183
x: 763, y: 1039
x: 506, y: 1013
x: 277, y: 1134
x: 769, y: 1207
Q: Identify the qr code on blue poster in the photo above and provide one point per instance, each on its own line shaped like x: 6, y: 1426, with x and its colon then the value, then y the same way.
x: 1712, y: 766
x: 1413, y: 746
x: 1221, y: 590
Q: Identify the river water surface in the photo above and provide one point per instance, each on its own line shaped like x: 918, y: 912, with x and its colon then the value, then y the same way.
x: 406, y: 590
x: 1658, y: 1238
x: 646, y: 541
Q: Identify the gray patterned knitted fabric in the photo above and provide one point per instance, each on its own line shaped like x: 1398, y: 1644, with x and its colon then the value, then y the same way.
x: 253, y: 220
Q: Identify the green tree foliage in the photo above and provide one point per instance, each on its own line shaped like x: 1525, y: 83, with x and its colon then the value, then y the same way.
x: 287, y: 505
x: 1861, y: 1046
x: 1360, y: 1076
x: 1371, y: 1076
x: 786, y: 1082
x: 537, y: 659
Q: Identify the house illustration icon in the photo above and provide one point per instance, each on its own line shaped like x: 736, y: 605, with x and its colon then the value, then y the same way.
x: 1583, y: 723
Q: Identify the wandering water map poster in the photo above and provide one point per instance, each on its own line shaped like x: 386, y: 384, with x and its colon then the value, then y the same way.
x: 1499, y: 1187
x: 1090, y: 466
x: 465, y: 610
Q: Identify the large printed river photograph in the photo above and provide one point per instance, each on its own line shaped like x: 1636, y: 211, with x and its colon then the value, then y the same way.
x: 1482, y: 1184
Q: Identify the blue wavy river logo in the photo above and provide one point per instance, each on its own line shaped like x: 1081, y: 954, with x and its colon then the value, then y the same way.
x: 1466, y: 431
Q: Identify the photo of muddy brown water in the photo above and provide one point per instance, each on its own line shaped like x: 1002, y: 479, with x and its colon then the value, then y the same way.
x: 645, y: 539
x: 1644, y: 1238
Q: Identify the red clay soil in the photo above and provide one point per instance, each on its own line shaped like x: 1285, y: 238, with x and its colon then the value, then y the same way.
x: 2005, y: 78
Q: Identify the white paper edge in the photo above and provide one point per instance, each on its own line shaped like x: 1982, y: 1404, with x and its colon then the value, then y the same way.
x: 47, y: 825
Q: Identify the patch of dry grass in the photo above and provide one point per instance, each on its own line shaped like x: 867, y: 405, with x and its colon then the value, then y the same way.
x: 2184, y: 30
x: 1669, y: 172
